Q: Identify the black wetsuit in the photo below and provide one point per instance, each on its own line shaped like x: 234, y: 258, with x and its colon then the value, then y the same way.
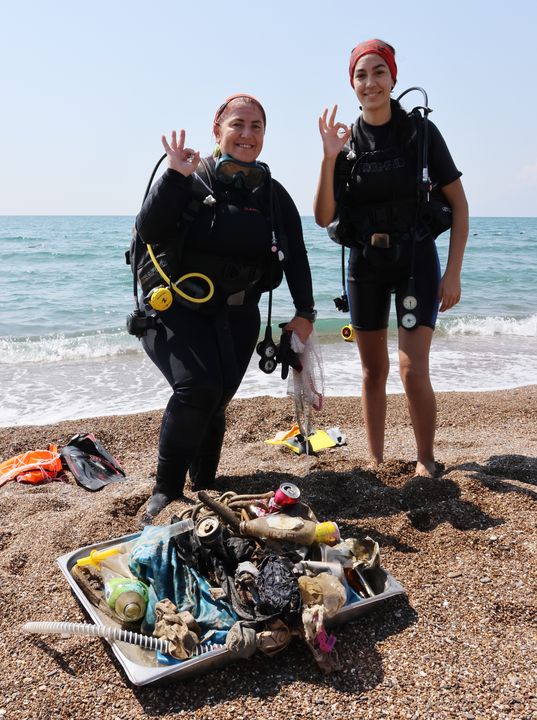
x: 203, y: 352
x: 383, y: 188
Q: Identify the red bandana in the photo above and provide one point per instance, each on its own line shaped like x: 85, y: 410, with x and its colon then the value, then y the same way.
x: 375, y: 47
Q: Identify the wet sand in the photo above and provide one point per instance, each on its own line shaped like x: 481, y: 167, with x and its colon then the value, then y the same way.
x: 462, y: 644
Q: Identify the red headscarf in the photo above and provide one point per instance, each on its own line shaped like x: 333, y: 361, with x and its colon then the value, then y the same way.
x: 236, y: 96
x: 375, y: 47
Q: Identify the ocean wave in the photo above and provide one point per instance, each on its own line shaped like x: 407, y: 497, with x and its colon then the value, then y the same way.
x: 489, y: 326
x: 63, y: 347
x: 131, y: 383
x: 114, y: 342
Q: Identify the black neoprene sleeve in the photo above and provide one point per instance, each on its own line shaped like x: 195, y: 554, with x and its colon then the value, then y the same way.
x: 157, y: 220
x: 296, y: 267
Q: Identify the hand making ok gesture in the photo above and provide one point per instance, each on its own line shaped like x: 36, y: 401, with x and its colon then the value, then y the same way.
x: 184, y: 160
x: 334, y: 134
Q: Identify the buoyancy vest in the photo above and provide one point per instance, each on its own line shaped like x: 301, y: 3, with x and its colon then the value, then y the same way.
x: 400, y: 216
x: 203, y: 281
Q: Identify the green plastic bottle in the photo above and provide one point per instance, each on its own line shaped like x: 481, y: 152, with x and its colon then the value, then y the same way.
x: 127, y: 597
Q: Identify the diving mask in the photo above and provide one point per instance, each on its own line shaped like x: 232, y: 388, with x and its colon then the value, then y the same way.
x: 242, y: 175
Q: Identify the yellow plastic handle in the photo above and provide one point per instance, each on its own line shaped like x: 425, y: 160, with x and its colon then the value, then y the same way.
x: 97, y: 556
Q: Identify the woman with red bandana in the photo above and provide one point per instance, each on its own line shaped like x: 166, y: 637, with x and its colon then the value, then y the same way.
x: 373, y: 191
x: 242, y: 231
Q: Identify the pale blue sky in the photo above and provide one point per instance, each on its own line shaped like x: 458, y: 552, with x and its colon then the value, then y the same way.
x: 88, y: 88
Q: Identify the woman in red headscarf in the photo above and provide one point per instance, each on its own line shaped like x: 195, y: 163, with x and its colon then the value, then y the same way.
x: 373, y: 191
x: 222, y: 231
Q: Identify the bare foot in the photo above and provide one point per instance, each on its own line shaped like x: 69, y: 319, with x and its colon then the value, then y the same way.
x: 428, y: 469
x: 373, y: 465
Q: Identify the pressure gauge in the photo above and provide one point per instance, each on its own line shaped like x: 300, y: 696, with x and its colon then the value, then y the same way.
x: 409, y: 321
x: 410, y: 302
x: 267, y: 365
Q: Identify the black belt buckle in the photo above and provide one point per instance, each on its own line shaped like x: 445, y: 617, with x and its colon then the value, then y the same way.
x: 380, y: 240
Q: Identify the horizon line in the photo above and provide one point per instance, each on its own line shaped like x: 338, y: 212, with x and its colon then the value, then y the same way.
x: 133, y: 215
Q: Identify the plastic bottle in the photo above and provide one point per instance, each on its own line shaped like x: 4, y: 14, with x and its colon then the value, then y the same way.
x: 282, y: 527
x: 127, y: 597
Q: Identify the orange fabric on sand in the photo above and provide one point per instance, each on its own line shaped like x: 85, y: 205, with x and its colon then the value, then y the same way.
x: 33, y: 466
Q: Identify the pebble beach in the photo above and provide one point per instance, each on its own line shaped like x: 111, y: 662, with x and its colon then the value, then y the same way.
x: 462, y: 643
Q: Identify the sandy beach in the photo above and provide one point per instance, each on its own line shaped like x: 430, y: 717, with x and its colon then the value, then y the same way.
x: 462, y: 644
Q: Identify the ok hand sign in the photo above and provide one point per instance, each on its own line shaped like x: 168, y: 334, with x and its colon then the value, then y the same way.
x: 184, y: 160
x: 334, y: 135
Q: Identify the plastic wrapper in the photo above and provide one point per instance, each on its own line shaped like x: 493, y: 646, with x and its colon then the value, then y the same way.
x: 307, y: 385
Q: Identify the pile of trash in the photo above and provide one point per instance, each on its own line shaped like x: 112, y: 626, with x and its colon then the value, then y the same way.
x: 244, y: 573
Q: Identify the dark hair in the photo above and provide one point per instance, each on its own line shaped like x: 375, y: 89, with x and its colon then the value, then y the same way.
x: 388, y: 44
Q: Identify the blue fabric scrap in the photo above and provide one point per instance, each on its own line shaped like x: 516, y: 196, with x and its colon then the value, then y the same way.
x: 154, y: 560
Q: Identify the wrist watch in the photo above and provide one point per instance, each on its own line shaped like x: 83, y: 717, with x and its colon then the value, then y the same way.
x: 307, y: 315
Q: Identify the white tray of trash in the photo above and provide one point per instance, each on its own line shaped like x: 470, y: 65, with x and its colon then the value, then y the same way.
x: 141, y: 666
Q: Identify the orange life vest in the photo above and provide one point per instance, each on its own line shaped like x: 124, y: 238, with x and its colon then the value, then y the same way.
x: 33, y: 466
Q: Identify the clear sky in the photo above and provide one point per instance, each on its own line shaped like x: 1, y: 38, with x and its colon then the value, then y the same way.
x: 88, y: 89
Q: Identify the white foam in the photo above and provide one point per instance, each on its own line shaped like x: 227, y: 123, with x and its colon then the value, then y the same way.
x: 488, y: 326
x: 129, y: 382
x: 62, y: 347
x: 66, y: 347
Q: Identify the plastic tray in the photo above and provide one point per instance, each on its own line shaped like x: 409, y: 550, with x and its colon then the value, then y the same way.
x: 141, y: 666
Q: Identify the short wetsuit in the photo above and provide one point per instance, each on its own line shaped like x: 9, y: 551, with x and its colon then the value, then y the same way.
x: 369, y: 288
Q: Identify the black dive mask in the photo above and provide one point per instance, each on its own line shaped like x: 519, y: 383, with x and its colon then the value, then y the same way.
x: 242, y: 175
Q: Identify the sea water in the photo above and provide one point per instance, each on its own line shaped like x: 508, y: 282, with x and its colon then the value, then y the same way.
x: 66, y: 291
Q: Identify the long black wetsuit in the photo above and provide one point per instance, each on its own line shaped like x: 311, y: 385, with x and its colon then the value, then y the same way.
x: 383, y: 189
x: 204, y: 351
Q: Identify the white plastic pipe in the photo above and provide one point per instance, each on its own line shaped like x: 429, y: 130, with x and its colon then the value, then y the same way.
x: 148, y: 642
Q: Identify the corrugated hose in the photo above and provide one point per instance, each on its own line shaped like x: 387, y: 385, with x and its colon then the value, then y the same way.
x: 148, y: 642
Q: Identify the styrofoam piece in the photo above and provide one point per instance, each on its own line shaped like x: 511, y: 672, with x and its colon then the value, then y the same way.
x: 141, y: 666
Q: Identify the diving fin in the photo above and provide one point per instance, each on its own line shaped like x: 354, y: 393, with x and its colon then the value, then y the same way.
x: 91, y: 464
